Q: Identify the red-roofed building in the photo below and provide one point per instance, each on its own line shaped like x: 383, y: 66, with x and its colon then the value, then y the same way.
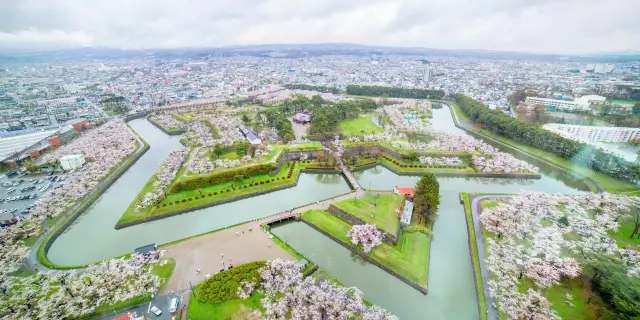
x: 407, y: 191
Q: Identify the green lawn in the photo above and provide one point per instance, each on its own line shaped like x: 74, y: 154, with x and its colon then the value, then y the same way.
x: 383, y: 214
x: 314, y: 145
x: 623, y: 233
x: 221, y: 311
x: 482, y: 304
x: 410, y: 257
x: 360, y: 125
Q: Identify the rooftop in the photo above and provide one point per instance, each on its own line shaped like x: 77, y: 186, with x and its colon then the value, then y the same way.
x: 11, y: 145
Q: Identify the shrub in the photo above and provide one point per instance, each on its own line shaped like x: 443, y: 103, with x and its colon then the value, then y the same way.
x: 224, y: 285
x: 227, y: 190
x: 164, y: 205
x: 250, y: 184
x: 261, y: 182
x: 190, y: 199
x: 215, y: 193
x: 267, y: 181
x: 170, y: 203
x: 209, y: 194
x: 184, y: 200
x: 245, y: 186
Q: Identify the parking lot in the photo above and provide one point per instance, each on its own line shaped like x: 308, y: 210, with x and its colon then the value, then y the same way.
x: 161, y: 302
x: 25, y: 186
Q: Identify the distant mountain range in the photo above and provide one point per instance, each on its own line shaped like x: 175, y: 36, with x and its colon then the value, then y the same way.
x: 301, y: 50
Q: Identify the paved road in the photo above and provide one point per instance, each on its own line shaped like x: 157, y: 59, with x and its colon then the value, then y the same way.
x: 161, y: 302
x: 476, y: 210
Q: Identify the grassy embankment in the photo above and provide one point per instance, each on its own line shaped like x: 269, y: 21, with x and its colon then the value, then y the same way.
x: 471, y: 232
x: 217, y: 192
x: 379, y: 210
x: 409, y: 258
x: 610, y: 184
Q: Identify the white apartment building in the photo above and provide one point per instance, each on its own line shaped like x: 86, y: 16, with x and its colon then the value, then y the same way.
x: 71, y: 162
x: 55, y: 102
x: 583, y: 103
x: 594, y: 134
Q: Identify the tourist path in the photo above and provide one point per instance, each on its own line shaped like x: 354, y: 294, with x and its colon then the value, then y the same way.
x: 215, y: 251
x: 476, y: 210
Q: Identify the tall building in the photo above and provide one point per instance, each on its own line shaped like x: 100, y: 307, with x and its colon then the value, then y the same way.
x: 426, y: 77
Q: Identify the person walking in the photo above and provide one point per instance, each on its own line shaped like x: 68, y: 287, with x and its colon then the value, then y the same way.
x: 222, y: 255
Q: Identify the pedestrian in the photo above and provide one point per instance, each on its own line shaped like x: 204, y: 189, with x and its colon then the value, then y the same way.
x: 236, y: 233
x: 222, y: 255
x: 269, y: 245
x: 36, y: 268
x: 242, y: 231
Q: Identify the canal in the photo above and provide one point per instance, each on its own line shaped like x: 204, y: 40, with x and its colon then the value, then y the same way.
x: 451, y: 286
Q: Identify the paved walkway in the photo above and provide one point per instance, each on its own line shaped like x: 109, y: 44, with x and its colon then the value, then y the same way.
x: 213, y: 252
x: 476, y: 210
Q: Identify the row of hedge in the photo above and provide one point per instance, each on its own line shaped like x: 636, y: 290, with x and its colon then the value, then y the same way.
x: 402, y: 165
x: 215, y: 193
x: 221, y: 177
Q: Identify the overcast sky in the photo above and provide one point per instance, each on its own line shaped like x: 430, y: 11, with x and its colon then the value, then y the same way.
x: 548, y: 26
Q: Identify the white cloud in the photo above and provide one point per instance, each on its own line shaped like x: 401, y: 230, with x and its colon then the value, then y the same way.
x: 567, y: 26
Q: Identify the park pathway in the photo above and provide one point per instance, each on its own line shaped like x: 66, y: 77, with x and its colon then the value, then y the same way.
x: 476, y: 210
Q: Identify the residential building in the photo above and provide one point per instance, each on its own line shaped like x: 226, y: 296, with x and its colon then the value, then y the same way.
x: 71, y: 162
x: 583, y: 103
x: 594, y: 134
x: 250, y: 135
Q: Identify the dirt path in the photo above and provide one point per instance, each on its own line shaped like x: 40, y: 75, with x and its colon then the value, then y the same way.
x: 208, y: 252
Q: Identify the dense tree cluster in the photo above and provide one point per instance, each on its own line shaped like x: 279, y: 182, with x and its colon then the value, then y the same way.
x: 290, y: 296
x: 426, y: 198
x: 278, y: 120
x: 612, y: 281
x: 545, y: 238
x: 223, y: 286
x: 325, y: 89
x: 164, y: 175
x: 394, y: 92
x: 535, y: 136
x: 325, y: 118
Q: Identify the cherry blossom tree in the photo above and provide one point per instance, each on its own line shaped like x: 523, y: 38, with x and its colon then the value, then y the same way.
x: 366, y: 234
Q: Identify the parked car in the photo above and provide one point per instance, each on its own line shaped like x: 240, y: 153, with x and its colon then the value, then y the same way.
x: 173, y: 306
x: 156, y: 311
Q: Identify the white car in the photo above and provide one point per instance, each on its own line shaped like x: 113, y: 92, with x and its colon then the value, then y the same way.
x: 156, y: 311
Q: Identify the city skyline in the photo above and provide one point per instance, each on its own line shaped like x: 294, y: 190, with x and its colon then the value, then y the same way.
x: 559, y: 27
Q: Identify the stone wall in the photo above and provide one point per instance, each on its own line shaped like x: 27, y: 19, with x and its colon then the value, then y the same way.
x: 391, y: 239
x: 91, y: 198
x: 206, y: 205
x: 402, y: 278
x: 171, y: 133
